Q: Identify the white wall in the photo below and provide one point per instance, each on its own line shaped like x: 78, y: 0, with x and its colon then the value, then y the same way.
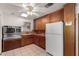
x: 77, y: 12
x: 12, y: 20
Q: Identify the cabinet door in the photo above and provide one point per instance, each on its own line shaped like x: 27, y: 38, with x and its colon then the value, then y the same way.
x: 57, y: 16
x: 44, y: 21
x: 36, y: 40
x: 17, y: 43
x: 7, y: 45
x: 10, y: 44
x: 26, y: 40
x: 40, y: 23
x: 42, y: 42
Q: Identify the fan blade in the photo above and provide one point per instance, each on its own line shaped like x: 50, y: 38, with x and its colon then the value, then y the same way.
x: 36, y: 14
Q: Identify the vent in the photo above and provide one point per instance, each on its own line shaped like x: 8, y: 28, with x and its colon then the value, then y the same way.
x: 48, y: 5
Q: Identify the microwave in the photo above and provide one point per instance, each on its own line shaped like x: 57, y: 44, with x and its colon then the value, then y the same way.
x: 11, y: 29
x: 8, y: 29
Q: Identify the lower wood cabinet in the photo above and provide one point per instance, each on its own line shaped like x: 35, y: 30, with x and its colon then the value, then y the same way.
x: 33, y: 39
x: 10, y: 44
x: 40, y: 41
x: 26, y: 40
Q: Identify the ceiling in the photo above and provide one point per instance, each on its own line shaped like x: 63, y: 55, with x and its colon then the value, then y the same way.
x: 39, y: 9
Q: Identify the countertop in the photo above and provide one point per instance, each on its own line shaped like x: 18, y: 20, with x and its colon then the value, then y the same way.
x: 13, y: 37
x: 23, y: 34
x: 41, y: 34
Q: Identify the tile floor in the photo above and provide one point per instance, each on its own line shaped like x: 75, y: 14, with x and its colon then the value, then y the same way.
x: 29, y: 50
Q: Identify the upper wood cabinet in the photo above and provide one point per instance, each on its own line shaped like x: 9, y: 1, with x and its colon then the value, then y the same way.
x: 57, y: 16
x: 69, y: 31
x: 40, y: 23
x: 37, y: 24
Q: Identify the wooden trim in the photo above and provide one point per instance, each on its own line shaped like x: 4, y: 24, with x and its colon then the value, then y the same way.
x: 69, y: 31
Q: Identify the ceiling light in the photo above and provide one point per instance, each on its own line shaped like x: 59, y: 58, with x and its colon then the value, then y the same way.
x: 29, y: 13
x: 24, y: 15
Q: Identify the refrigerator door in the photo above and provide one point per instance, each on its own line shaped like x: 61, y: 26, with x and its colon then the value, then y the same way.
x: 54, y: 44
x: 54, y: 28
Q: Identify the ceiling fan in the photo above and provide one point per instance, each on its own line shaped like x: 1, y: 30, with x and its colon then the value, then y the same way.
x: 32, y: 9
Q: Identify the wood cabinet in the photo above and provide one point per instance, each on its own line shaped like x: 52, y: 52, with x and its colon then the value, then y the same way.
x: 39, y: 24
x: 40, y: 41
x: 33, y: 39
x: 57, y: 16
x: 26, y: 40
x: 36, y: 40
x: 69, y: 30
x: 10, y: 44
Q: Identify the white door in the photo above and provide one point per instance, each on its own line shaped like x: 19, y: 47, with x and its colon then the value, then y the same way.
x: 0, y: 35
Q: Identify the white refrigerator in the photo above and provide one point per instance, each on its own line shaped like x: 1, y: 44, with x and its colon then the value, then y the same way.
x: 54, y: 38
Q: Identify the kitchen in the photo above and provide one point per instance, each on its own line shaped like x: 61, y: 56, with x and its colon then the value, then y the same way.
x: 20, y: 30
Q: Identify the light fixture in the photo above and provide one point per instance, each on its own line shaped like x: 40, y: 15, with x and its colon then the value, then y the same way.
x: 29, y: 8
x: 68, y: 23
x: 29, y: 13
x: 24, y: 15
